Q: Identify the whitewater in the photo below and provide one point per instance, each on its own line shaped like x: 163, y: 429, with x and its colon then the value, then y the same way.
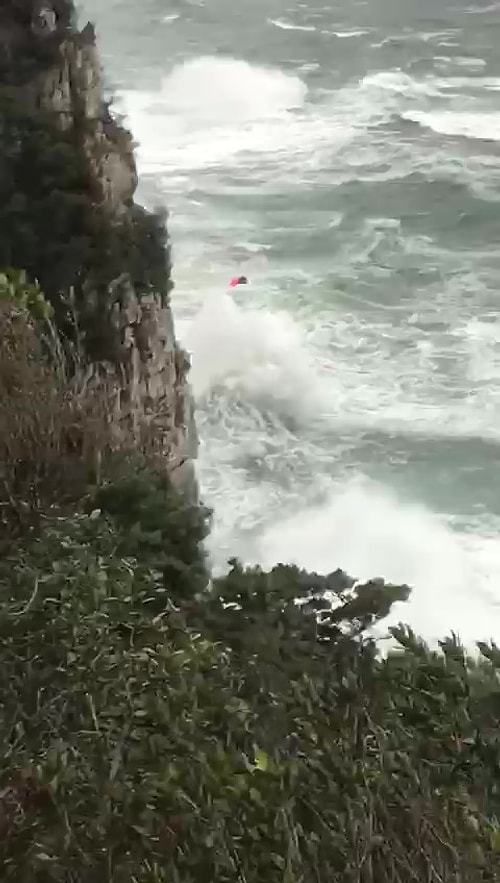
x: 346, y: 158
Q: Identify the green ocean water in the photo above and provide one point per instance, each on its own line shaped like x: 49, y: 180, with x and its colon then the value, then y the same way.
x: 346, y: 157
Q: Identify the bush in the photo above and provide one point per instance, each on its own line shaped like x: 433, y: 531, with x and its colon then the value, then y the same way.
x: 71, y: 605
x: 156, y: 729
x: 54, y: 431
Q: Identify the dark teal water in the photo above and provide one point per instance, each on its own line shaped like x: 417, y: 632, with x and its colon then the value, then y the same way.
x: 346, y: 156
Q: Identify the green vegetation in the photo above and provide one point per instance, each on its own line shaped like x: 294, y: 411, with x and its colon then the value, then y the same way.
x: 17, y: 290
x: 157, y: 725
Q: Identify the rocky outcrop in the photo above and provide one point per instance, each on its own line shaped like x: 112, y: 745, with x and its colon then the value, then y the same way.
x: 73, y: 90
x: 149, y: 388
x: 146, y: 373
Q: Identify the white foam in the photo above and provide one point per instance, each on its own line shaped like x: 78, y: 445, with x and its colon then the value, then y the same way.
x: 212, y: 109
x: 491, y: 84
x: 482, y: 10
x: 371, y: 533
x: 289, y: 26
x: 346, y: 35
x: 257, y: 354
x: 481, y: 341
x: 398, y: 82
x: 213, y: 112
x: 227, y: 89
x: 264, y: 359
x: 428, y: 36
x: 469, y: 62
x: 410, y: 36
x: 483, y: 126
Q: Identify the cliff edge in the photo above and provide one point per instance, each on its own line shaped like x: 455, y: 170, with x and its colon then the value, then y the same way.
x: 67, y: 211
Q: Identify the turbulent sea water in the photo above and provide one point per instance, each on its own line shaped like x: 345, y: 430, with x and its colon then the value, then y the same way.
x: 346, y: 157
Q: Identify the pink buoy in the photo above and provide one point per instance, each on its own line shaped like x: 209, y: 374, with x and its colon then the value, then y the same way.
x: 238, y: 280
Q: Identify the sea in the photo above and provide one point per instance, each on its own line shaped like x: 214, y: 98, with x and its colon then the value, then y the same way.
x: 345, y: 156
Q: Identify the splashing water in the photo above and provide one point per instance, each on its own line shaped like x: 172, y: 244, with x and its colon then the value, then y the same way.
x: 348, y: 402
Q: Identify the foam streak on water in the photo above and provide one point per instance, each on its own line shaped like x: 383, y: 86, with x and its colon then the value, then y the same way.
x: 346, y: 158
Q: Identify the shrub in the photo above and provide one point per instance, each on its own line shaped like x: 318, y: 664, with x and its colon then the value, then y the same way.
x: 53, y: 430
x: 154, y: 730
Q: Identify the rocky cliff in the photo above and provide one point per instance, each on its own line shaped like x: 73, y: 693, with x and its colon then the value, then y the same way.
x: 102, y: 244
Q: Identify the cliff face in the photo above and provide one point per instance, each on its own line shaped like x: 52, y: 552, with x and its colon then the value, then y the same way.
x: 146, y: 373
x: 72, y: 89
